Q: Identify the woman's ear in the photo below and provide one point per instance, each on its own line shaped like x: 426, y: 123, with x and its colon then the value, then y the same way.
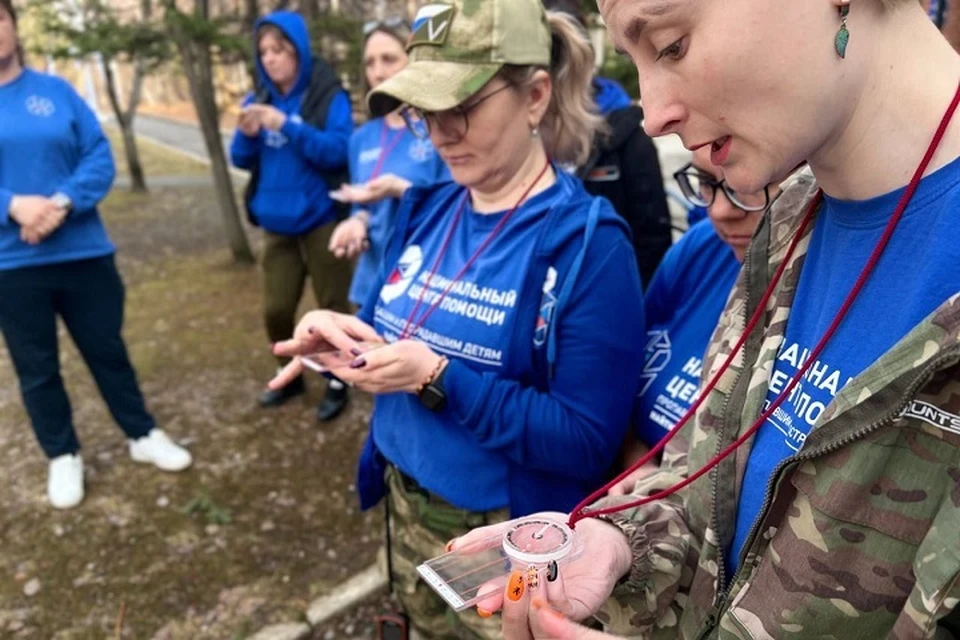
x: 539, y: 92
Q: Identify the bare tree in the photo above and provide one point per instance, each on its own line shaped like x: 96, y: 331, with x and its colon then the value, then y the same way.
x: 92, y: 27
x: 196, y: 35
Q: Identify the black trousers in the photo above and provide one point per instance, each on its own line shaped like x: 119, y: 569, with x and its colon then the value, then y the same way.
x: 88, y: 295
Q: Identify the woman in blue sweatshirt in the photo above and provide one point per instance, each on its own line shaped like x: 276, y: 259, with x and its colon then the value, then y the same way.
x: 292, y: 136
x: 56, y: 260
x: 510, y: 304
x: 685, y: 299
x: 385, y: 159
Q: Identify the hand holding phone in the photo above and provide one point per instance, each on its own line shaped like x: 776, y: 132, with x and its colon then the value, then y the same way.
x: 249, y: 122
x: 328, y: 360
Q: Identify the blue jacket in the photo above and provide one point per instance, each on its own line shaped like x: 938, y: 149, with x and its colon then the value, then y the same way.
x: 50, y: 142
x: 609, y: 95
x: 556, y: 414
x: 291, y: 196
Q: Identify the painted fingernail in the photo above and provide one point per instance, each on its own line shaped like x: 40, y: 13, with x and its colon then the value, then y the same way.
x: 533, y: 578
x: 449, y: 546
x: 515, y: 586
x: 552, y: 571
x: 483, y: 613
x: 359, y: 363
x: 356, y: 352
x: 541, y: 606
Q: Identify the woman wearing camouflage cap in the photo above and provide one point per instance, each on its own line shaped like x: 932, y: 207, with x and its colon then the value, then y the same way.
x: 833, y: 427
x: 510, y: 302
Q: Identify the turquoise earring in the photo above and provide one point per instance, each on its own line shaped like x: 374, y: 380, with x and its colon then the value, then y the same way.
x: 843, y: 36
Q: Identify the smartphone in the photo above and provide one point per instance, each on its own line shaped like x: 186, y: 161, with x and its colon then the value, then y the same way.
x: 321, y: 361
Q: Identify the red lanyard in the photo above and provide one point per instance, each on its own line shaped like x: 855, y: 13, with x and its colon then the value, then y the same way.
x: 410, y: 328
x: 580, y: 512
x: 385, y: 149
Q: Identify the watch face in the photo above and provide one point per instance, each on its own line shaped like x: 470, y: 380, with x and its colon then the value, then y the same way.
x: 433, y: 398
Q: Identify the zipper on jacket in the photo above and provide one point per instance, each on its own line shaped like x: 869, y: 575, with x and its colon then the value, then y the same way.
x: 921, y: 379
x: 714, y: 520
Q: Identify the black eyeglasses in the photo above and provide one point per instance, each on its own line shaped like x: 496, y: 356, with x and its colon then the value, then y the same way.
x: 701, y: 190
x: 454, y: 123
x: 393, y: 24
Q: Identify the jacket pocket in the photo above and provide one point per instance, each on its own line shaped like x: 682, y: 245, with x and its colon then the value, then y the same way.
x: 865, y: 539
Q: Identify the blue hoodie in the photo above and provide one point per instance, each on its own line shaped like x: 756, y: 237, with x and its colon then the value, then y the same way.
x: 51, y: 142
x: 609, y: 95
x: 291, y: 196
x: 545, y: 338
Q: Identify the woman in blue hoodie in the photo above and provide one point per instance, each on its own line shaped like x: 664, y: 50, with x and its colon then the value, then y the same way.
x: 385, y: 159
x: 57, y: 261
x: 292, y: 136
x: 504, y: 340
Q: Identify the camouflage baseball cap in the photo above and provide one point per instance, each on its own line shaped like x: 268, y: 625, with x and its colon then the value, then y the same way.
x: 458, y: 46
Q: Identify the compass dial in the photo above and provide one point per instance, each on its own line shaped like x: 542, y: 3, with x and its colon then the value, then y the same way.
x: 537, y: 540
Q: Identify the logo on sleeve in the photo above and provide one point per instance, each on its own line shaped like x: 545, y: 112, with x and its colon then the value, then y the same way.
x: 547, y: 305
x: 432, y: 24
x: 402, y: 275
x: 40, y: 106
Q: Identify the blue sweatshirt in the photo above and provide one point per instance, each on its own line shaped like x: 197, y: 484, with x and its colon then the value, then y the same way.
x: 291, y: 196
x: 917, y: 272
x: 51, y: 142
x: 683, y: 304
x: 544, y: 335
x: 409, y: 158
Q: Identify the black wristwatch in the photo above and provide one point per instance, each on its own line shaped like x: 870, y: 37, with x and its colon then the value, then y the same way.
x: 433, y: 396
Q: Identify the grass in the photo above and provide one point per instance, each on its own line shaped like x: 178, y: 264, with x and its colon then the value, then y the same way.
x: 156, y: 160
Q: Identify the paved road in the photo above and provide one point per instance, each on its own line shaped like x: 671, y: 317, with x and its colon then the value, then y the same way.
x: 185, y: 137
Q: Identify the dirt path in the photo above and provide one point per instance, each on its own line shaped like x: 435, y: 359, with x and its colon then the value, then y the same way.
x: 267, y: 518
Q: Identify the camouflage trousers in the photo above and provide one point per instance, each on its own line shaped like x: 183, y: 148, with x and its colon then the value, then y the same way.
x: 420, y: 527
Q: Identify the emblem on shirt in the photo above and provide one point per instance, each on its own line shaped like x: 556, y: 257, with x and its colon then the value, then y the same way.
x: 369, y: 155
x: 420, y: 150
x: 275, y: 139
x: 548, y: 303
x: 402, y: 275
x: 40, y: 106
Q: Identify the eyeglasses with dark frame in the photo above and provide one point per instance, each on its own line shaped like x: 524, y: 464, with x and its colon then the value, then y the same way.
x: 700, y: 189
x: 454, y: 123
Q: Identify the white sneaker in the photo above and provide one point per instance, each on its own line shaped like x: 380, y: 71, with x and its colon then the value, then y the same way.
x: 65, y: 481
x: 159, y: 450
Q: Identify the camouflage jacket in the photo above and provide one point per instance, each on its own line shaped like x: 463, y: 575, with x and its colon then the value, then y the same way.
x: 859, y: 533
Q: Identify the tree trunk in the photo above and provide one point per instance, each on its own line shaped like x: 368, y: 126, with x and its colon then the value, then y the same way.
x: 250, y: 15
x: 138, y: 183
x: 308, y: 9
x: 199, y: 69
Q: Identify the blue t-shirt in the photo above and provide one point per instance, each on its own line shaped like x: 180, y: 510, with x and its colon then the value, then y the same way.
x: 477, y: 330
x: 683, y: 303
x: 409, y: 158
x: 917, y: 272
x: 50, y: 142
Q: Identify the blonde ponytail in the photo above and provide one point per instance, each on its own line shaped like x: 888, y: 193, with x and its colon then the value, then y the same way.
x: 571, y: 121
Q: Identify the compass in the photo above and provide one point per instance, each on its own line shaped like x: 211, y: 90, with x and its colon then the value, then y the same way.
x: 538, y: 540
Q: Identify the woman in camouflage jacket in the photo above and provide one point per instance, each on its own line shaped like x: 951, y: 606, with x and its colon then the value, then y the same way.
x: 853, y: 531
